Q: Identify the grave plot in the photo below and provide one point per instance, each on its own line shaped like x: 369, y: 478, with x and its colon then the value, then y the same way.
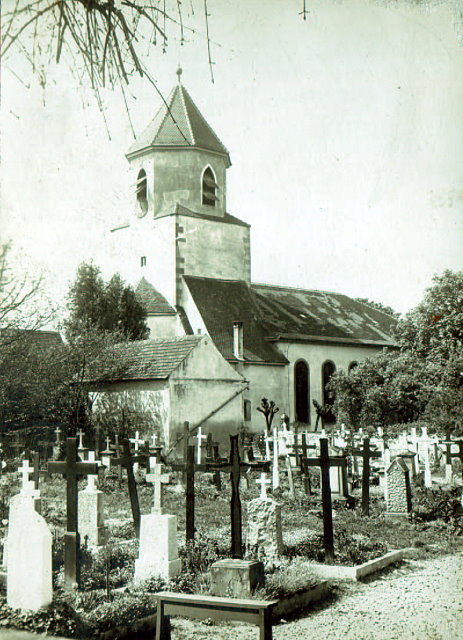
x: 285, y: 533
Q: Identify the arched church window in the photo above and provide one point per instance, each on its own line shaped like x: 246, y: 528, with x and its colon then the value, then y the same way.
x: 142, y: 189
x: 209, y: 187
x: 328, y: 369
x: 352, y: 367
x: 302, y: 391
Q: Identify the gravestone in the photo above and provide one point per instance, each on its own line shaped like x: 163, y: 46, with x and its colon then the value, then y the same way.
x: 158, y: 555
x: 107, y: 454
x: 399, y: 495
x: 91, y: 511
x: 264, y: 535
x: 29, y: 563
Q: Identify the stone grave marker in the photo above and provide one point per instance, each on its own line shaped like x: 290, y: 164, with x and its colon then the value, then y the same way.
x: 399, y: 495
x: 158, y: 554
x: 107, y: 454
x: 264, y: 533
x: 29, y: 561
x: 91, y: 510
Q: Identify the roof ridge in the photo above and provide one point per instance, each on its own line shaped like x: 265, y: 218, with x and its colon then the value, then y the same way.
x: 187, y: 115
x: 284, y: 286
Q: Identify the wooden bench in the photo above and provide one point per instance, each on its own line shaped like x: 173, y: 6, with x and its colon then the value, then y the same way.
x: 220, y: 609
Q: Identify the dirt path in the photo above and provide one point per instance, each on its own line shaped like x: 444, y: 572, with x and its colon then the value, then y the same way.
x: 420, y: 600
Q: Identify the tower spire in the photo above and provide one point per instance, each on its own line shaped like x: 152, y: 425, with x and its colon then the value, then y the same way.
x: 179, y: 74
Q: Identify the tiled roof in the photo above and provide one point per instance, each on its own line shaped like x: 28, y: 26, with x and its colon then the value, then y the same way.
x: 147, y: 359
x: 270, y: 312
x: 178, y: 123
x: 300, y: 314
x: 154, y: 303
x: 220, y: 303
x: 40, y: 339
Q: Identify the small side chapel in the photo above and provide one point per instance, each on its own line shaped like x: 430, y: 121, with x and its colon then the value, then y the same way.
x: 189, y: 259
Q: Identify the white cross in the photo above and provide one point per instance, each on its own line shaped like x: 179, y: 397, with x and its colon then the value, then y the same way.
x: 25, y: 470
x: 158, y: 478
x: 199, y: 436
x: 275, y: 470
x: 267, y: 440
x: 263, y: 484
x: 91, y: 478
x: 81, y: 439
x: 154, y: 439
x: 58, y: 433
x: 136, y: 441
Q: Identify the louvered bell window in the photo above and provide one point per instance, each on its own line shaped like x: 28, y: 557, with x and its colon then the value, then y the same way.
x: 209, y: 188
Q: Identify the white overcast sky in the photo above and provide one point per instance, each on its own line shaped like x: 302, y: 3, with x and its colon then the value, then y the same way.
x: 345, y: 133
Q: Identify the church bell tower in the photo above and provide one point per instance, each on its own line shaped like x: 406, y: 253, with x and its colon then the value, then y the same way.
x: 179, y: 224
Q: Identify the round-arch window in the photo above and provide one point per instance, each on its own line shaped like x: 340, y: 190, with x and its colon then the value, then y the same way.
x: 352, y: 366
x: 209, y: 188
x: 142, y: 186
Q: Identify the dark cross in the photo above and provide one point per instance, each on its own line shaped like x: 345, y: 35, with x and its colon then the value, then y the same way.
x: 235, y: 466
x: 186, y: 444
x: 36, y: 464
x: 325, y: 461
x: 117, y: 448
x: 449, y: 455
x: 72, y: 469
x: 189, y: 468
x: 126, y: 460
x: 212, y: 455
x: 304, y: 471
x: 366, y: 454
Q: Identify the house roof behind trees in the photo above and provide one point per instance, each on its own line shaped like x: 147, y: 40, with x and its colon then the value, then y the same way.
x: 34, y: 337
x: 145, y: 359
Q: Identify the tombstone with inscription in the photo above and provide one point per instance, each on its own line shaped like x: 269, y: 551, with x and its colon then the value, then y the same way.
x: 399, y: 495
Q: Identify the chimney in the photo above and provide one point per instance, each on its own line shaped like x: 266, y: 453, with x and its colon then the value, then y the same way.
x: 238, y: 346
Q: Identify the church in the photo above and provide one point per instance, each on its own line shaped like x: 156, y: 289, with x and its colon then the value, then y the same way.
x: 190, y: 261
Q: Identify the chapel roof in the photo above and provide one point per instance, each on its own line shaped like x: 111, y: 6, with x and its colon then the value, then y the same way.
x: 270, y: 313
x: 178, y: 123
x: 146, y: 359
x: 38, y: 338
x: 154, y: 303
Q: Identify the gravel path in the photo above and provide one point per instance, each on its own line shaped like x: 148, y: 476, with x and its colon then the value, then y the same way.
x: 420, y: 600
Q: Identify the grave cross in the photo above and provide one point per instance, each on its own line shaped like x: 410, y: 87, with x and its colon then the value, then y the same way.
x: 71, y: 469
x: 264, y: 481
x: 158, y: 478
x: 235, y: 466
x: 303, y: 456
x: 449, y: 455
x: 199, y: 436
x: 25, y: 470
x: 324, y: 462
x: 127, y: 460
x: 366, y: 454
x: 136, y: 442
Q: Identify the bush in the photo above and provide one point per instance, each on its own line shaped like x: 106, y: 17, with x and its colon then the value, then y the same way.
x: 439, y: 504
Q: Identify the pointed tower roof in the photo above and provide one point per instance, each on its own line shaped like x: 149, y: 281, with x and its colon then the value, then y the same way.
x: 178, y: 123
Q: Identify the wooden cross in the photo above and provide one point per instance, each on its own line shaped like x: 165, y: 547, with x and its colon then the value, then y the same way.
x: 71, y: 469
x: 117, y: 448
x: 215, y: 457
x: 449, y: 455
x: 366, y: 454
x: 199, y: 436
x: 235, y: 466
x: 189, y: 468
x: 324, y: 462
x: 304, y: 471
x: 127, y: 460
x: 158, y: 478
x: 264, y: 481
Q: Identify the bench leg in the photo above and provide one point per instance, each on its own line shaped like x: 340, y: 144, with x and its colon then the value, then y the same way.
x: 265, y: 625
x: 162, y: 623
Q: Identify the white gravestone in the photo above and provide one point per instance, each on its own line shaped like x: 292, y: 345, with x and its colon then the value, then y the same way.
x: 158, y: 555
x: 29, y: 564
x: 91, y: 511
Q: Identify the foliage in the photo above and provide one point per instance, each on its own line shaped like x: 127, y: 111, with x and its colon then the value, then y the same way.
x: 439, y: 504
x: 379, y: 306
x: 288, y: 578
x: 107, y: 307
x: 421, y: 381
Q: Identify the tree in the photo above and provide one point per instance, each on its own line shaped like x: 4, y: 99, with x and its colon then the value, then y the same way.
x: 21, y: 307
x: 106, y: 39
x: 106, y: 307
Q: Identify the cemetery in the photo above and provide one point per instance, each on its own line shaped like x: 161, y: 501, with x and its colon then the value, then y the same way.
x: 114, y: 551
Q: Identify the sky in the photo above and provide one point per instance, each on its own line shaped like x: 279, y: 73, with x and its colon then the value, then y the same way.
x: 345, y: 133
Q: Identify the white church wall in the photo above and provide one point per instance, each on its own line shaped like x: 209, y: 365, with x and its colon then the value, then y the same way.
x: 266, y: 381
